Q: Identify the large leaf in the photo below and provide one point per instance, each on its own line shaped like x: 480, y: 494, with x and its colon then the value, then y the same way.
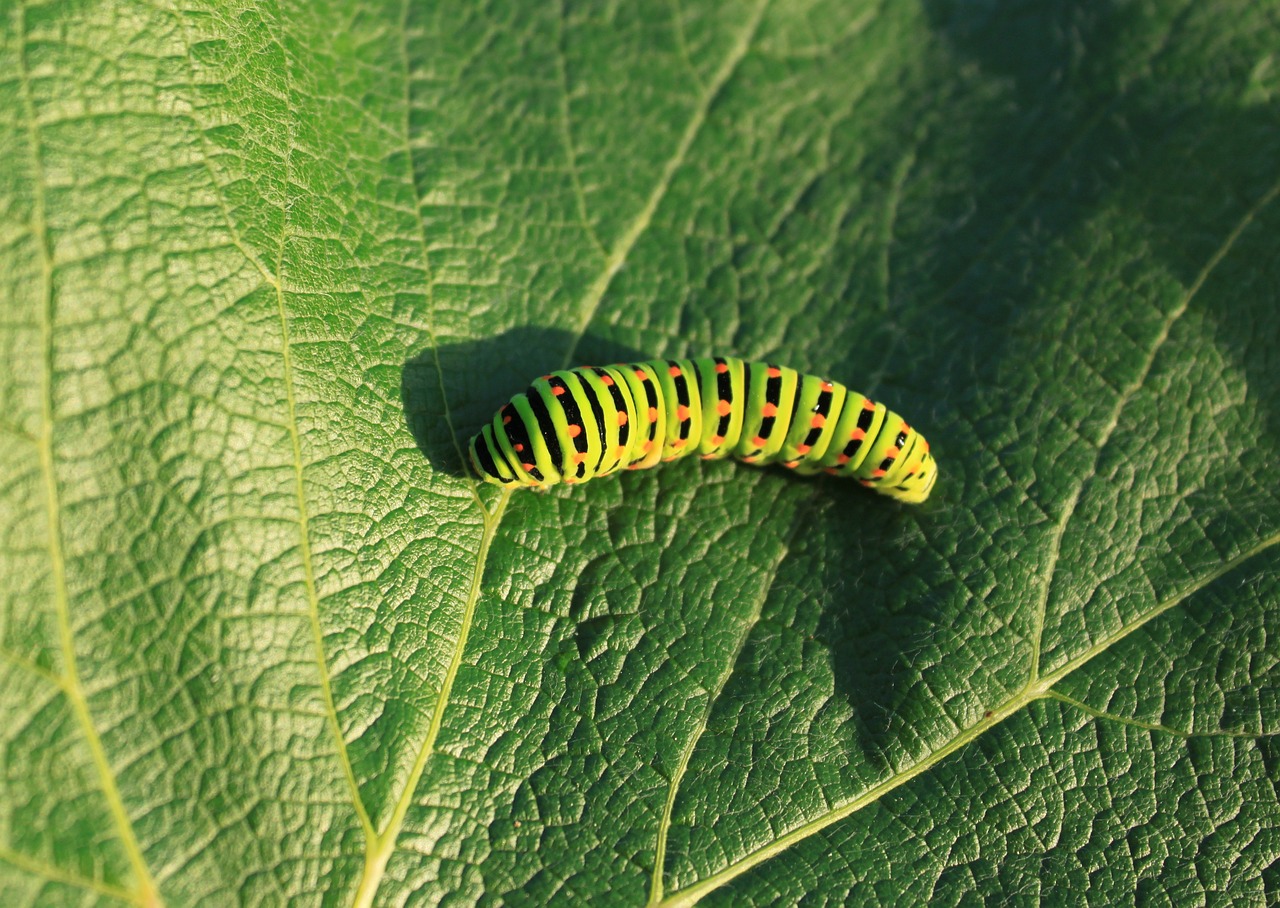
x: 265, y: 268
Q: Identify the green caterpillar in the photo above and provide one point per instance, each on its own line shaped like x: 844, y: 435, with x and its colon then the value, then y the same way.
x: 577, y: 424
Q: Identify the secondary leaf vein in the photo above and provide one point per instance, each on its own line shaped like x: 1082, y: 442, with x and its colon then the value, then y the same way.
x: 380, y: 847
x: 566, y: 132
x: 295, y: 443
x: 1148, y: 726
x: 594, y: 294
x: 1122, y: 401
x: 713, y: 696
x: 1077, y: 140
x: 147, y: 892
x: 54, y: 874
x: 412, y: 178
x: 994, y: 717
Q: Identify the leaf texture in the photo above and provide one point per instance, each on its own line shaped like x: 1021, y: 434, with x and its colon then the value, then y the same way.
x: 263, y: 270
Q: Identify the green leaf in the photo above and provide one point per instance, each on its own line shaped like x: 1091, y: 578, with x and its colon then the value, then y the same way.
x: 264, y: 268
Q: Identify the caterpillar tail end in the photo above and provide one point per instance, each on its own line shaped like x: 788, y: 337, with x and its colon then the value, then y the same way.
x: 915, y: 493
x: 915, y: 488
x: 905, y: 470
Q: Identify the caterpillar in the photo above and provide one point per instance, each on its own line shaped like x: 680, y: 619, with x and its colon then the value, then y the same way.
x: 577, y: 424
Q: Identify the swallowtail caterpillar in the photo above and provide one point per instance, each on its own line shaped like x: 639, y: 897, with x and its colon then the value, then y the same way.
x: 579, y: 424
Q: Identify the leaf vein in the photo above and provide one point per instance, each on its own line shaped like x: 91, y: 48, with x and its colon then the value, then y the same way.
x: 17, y: 660
x: 206, y: 163
x: 713, y: 696
x: 147, y: 892
x: 591, y: 299
x: 566, y: 133
x: 295, y: 443
x: 1149, y: 726
x: 994, y: 717
x: 1077, y: 140
x: 412, y: 180
x: 55, y: 874
x: 1126, y: 396
x: 381, y: 846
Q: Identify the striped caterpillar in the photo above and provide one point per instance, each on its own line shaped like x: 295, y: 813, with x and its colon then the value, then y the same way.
x: 577, y: 424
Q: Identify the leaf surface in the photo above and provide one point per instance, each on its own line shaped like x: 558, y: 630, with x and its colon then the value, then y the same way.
x: 265, y: 270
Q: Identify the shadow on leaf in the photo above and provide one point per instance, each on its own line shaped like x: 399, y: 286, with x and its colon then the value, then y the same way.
x: 450, y: 391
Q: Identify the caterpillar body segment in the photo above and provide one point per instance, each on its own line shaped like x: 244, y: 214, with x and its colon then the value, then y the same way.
x: 577, y: 424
